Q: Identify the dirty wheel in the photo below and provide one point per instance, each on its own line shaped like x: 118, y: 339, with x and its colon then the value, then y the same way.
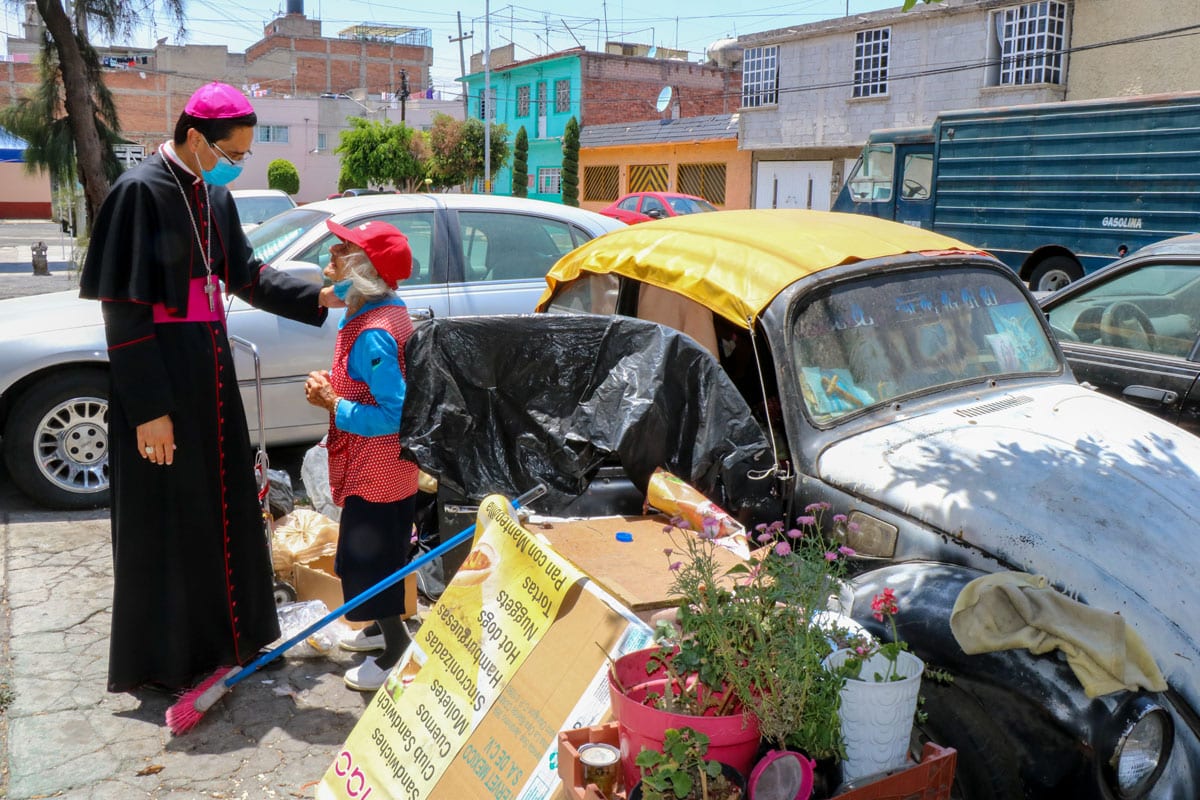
x: 284, y: 593
x: 1054, y: 273
x: 987, y: 768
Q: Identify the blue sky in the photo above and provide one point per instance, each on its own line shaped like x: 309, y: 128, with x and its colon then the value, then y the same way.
x: 535, y: 28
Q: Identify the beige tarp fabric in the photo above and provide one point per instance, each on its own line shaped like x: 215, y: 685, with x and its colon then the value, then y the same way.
x: 1008, y: 610
x: 300, y: 538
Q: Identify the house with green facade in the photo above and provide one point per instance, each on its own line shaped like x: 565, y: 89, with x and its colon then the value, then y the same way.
x: 541, y: 94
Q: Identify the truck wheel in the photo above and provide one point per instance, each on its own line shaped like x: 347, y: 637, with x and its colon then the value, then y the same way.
x: 56, y: 440
x: 987, y: 768
x: 1054, y: 273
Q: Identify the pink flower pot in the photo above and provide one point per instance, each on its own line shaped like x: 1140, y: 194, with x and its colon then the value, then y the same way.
x: 733, y: 739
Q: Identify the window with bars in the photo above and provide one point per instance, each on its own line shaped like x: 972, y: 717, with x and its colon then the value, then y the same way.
x: 562, y: 96
x: 871, y: 53
x: 703, y: 180
x: 602, y: 182
x: 272, y: 134
x: 1032, y: 38
x: 483, y: 103
x: 522, y: 101
x: 549, y: 180
x: 760, y: 76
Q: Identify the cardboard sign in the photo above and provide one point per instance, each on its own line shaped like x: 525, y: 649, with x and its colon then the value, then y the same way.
x: 513, y: 651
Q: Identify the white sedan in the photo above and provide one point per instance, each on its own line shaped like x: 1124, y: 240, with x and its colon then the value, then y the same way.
x: 472, y: 254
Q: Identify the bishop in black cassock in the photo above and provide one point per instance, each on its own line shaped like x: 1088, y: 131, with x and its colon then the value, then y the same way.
x: 192, y: 568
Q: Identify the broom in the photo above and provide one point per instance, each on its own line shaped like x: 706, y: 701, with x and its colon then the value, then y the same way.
x: 191, y: 706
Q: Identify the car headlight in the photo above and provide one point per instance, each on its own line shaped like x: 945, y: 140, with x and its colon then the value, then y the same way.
x: 1141, y: 748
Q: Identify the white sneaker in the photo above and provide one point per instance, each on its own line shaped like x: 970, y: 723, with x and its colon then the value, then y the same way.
x: 366, y: 677
x: 360, y: 642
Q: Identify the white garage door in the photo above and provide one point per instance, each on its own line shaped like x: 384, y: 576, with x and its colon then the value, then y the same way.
x: 794, y: 184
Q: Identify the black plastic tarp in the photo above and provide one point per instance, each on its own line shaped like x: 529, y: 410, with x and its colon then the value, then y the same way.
x: 497, y: 404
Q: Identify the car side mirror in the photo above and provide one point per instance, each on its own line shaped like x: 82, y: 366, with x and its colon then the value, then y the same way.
x: 656, y: 213
x: 302, y: 270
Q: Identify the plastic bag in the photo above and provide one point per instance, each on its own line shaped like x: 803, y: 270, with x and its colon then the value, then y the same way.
x: 295, y: 617
x: 301, y: 537
x: 314, y: 474
x: 674, y: 497
x: 281, y: 498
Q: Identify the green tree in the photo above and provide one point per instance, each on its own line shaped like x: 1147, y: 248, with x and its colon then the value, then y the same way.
x: 520, y: 169
x: 380, y: 154
x: 457, y: 150
x: 86, y: 105
x: 570, y: 163
x: 282, y: 175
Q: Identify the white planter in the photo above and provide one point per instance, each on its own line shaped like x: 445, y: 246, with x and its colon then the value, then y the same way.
x: 877, y: 718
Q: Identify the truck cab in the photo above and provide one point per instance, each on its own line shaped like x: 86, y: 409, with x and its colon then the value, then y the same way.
x: 893, y: 178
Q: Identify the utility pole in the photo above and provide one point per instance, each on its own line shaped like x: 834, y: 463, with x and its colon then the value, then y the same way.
x: 462, y: 64
x: 487, y: 97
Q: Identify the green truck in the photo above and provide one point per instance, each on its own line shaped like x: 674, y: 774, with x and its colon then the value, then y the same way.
x: 1053, y: 189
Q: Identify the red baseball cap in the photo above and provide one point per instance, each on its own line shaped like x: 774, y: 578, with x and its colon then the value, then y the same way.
x: 218, y: 101
x: 386, y: 247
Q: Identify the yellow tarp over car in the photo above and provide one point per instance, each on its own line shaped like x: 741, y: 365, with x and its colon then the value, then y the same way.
x: 735, y: 262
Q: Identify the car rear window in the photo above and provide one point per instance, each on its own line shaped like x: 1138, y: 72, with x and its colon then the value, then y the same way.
x: 870, y: 341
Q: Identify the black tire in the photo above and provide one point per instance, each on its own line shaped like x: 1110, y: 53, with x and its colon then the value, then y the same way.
x: 1054, y: 273
x: 987, y: 768
x: 56, y: 440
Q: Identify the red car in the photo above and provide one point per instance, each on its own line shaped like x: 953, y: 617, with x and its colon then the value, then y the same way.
x: 645, y: 206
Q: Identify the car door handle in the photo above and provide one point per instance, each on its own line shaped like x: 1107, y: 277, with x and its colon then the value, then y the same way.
x: 1149, y: 395
x: 420, y: 314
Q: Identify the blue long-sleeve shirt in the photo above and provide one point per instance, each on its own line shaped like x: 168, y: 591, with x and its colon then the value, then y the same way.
x: 373, y: 359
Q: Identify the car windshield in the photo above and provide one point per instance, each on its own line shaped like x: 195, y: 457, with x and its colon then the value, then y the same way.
x: 260, y: 209
x: 873, y: 340
x: 688, y: 205
x: 269, y: 239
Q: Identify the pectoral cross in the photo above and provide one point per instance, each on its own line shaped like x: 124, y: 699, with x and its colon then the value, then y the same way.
x: 210, y: 289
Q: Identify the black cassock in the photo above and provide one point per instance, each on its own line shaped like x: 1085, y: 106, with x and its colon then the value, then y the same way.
x: 192, y: 568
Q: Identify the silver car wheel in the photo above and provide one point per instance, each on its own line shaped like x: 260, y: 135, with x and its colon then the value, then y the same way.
x: 71, y: 444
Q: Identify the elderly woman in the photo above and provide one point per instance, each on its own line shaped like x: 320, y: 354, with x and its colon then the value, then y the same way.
x: 364, y: 395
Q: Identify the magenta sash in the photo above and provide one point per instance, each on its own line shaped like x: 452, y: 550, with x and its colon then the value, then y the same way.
x: 197, y: 304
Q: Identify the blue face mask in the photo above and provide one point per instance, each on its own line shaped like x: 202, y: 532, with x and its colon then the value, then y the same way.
x: 222, y: 173
x: 342, y: 288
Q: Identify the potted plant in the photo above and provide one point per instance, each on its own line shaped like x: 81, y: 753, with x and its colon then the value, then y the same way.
x: 881, y: 683
x: 754, y: 636
x: 680, y: 771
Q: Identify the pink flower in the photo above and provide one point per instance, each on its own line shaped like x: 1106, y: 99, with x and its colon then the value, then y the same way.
x: 822, y: 506
x: 764, y: 537
x: 675, y: 566
x: 831, y: 556
x: 667, y: 552
x: 783, y: 549
x: 838, y: 519
x: 847, y: 551
x: 806, y: 521
x: 795, y: 534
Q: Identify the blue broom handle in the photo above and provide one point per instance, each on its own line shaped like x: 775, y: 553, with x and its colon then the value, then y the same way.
x: 386, y: 583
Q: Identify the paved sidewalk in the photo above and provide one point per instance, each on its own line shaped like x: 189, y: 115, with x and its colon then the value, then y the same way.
x: 273, y: 735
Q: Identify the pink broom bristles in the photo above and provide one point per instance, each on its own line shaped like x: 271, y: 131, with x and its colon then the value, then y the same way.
x: 189, y: 709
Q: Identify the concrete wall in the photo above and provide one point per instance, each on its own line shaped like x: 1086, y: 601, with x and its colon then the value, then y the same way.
x: 22, y: 195
x: 1161, y: 64
x: 737, y: 166
x: 816, y: 106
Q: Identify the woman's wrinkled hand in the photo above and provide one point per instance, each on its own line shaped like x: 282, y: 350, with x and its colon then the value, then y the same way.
x: 319, y: 391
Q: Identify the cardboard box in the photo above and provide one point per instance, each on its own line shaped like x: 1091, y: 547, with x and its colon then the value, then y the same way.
x: 635, y: 572
x: 317, y: 581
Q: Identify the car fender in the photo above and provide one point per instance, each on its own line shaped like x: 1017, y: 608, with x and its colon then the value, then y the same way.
x: 1056, y: 732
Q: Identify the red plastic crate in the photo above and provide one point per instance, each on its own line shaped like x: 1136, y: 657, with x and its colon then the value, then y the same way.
x: 928, y: 780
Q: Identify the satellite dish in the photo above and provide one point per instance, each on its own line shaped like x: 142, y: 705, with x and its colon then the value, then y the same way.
x: 664, y: 99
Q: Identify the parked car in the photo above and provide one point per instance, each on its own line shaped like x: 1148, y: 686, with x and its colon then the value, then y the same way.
x: 472, y: 254
x: 645, y: 206
x: 911, y: 382
x: 1132, y: 329
x: 256, y: 206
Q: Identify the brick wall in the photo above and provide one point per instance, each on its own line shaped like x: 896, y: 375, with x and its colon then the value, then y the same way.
x: 622, y: 89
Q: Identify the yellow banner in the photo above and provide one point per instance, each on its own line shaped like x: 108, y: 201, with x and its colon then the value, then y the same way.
x: 495, y: 610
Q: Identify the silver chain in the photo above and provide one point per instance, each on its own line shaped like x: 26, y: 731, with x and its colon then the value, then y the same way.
x: 205, y: 246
